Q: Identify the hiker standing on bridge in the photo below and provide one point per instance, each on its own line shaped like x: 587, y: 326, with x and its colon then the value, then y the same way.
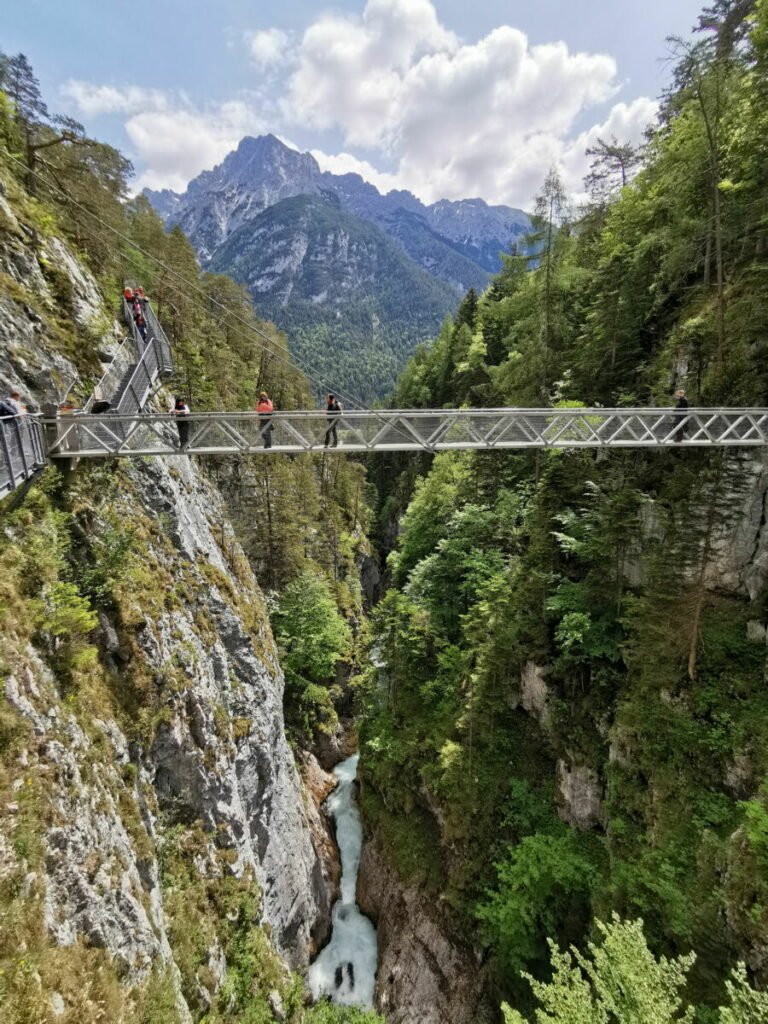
x: 681, y: 405
x: 181, y: 410
x: 334, y: 409
x: 265, y: 410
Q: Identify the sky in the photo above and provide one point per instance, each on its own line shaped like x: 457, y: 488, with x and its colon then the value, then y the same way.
x: 447, y: 98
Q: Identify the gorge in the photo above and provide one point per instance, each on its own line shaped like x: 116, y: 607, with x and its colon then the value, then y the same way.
x: 529, y: 687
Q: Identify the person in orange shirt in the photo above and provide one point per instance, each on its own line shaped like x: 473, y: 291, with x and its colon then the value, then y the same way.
x: 265, y: 410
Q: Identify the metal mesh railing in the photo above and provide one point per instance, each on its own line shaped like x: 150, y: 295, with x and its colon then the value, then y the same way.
x: 146, y: 359
x: 155, y: 330
x: 126, y: 385
x: 107, y: 386
x: 22, y: 451
x: 425, y: 430
x: 139, y: 384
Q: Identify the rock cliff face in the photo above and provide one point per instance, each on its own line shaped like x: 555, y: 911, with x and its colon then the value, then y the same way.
x: 215, y: 755
x: 233, y: 771
x: 172, y: 732
x: 427, y: 975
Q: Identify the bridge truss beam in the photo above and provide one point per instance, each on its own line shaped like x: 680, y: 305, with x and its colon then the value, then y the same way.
x: 91, y: 436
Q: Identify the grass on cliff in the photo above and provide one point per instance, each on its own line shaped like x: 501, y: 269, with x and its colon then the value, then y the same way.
x: 63, y: 556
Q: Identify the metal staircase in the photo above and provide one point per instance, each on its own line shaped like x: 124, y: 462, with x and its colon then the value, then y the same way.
x: 126, y: 386
x: 149, y: 359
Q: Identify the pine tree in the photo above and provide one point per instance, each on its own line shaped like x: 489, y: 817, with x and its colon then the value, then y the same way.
x: 611, y: 169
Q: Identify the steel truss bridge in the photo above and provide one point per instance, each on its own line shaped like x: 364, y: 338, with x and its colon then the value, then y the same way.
x: 124, y: 429
x: 430, y: 430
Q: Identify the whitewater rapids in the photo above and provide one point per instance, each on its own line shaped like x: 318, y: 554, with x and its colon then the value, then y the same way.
x: 345, y: 969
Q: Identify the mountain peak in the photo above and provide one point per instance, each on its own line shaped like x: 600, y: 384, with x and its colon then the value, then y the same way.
x: 458, y: 241
x: 260, y: 145
x: 259, y: 161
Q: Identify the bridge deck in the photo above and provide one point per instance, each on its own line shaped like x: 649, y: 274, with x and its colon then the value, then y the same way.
x: 91, y: 436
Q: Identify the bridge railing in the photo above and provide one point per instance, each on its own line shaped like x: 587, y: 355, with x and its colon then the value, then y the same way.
x: 155, y: 330
x: 142, y: 379
x: 429, y: 430
x: 107, y: 385
x: 22, y: 450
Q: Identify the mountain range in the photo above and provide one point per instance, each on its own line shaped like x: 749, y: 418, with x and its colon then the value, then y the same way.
x: 358, y: 279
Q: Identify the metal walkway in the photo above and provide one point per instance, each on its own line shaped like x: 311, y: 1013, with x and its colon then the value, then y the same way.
x: 126, y: 385
x: 437, y: 430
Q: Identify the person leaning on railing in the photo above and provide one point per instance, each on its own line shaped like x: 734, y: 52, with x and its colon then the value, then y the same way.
x: 11, y: 406
x: 181, y: 410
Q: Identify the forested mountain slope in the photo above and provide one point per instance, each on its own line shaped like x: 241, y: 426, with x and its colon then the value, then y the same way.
x: 363, y: 277
x: 568, y: 713
x: 344, y: 292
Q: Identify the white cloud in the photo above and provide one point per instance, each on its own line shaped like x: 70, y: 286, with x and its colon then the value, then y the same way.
x: 170, y: 136
x: 485, y: 118
x: 267, y: 47
x: 176, y: 145
x: 451, y: 118
x: 346, y: 163
x: 108, y: 99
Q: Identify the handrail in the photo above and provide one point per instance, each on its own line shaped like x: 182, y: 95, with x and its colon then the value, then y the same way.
x: 22, y: 450
x: 552, y: 414
x: 141, y: 380
x: 107, y: 384
x: 24, y: 447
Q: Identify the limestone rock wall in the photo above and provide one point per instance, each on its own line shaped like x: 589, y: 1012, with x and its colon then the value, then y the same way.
x: 198, y: 735
x: 427, y: 974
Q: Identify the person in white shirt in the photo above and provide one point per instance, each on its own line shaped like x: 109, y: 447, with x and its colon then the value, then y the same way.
x: 181, y: 410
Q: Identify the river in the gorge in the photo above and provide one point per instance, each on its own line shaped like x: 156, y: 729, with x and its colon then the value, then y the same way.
x: 345, y: 969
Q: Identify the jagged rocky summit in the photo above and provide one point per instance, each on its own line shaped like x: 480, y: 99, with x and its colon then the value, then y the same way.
x: 356, y: 278
x: 458, y: 242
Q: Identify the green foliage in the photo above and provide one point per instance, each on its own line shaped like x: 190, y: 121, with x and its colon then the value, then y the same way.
x: 108, y: 561
x: 68, y: 618
x: 620, y: 981
x: 745, y: 1005
x: 313, y: 638
x: 542, y: 882
x: 327, y: 1013
x: 569, y: 606
x: 449, y: 581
